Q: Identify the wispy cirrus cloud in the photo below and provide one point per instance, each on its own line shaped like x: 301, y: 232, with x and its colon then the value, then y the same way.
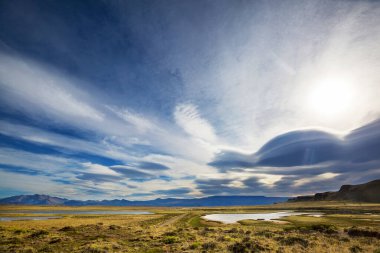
x: 188, y: 117
x: 39, y: 87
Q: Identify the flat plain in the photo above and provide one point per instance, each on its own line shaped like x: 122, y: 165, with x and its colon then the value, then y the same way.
x: 344, y: 227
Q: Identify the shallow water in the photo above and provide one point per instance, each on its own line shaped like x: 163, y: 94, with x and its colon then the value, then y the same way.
x: 76, y: 212
x: 29, y: 218
x: 235, y: 217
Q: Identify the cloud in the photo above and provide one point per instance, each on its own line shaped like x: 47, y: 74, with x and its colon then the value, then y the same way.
x: 99, y: 169
x: 301, y: 162
x: 43, y: 163
x: 94, y: 177
x: 319, y: 178
x: 308, y: 147
x: 27, y: 81
x: 174, y: 192
x: 152, y: 166
x: 188, y: 117
x: 141, y: 123
x: 32, y: 184
x: 134, y: 174
x: 230, y: 186
x: 20, y: 170
x: 299, y: 148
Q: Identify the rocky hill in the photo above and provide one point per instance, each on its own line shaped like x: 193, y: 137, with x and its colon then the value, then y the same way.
x: 368, y: 192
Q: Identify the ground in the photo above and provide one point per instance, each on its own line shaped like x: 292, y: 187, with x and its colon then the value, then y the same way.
x: 346, y: 227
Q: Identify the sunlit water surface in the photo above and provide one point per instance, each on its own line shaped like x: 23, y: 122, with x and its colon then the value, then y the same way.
x: 235, y: 217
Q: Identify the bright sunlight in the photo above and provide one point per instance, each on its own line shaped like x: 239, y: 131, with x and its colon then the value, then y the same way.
x: 331, y: 97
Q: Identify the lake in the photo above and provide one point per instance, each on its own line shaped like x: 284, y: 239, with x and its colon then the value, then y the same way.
x: 235, y: 217
x: 99, y: 212
x: 29, y: 218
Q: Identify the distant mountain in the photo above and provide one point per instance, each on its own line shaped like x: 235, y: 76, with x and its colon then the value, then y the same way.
x: 35, y: 199
x: 207, y: 201
x: 368, y: 192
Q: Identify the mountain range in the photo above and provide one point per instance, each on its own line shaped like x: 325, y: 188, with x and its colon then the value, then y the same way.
x: 37, y: 199
x: 367, y: 192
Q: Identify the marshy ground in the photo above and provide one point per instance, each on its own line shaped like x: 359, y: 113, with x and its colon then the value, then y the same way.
x: 345, y: 227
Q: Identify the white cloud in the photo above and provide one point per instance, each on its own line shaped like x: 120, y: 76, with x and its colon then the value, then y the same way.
x: 158, y: 184
x: 318, y: 178
x: 37, y: 87
x: 35, y: 135
x: 34, y: 185
x: 52, y: 98
x: 236, y: 184
x: 141, y: 123
x: 99, y: 169
x: 269, y: 180
x: 39, y: 162
x: 188, y: 117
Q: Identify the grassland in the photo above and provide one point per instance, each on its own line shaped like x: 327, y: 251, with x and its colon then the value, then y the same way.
x: 345, y: 227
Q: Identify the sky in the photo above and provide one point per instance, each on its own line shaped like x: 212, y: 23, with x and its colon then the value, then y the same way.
x: 156, y: 99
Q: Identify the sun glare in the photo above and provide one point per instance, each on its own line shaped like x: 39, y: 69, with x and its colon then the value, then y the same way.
x: 331, y: 97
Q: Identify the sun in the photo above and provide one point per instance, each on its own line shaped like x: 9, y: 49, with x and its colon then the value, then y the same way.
x: 331, y: 97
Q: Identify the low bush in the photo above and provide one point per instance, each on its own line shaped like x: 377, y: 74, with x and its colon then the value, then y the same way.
x: 231, y: 231
x: 55, y: 240
x: 39, y: 233
x: 209, y: 245
x: 171, y: 233
x: 324, y: 228
x: 67, y: 229
x: 246, y: 247
x: 170, y: 239
x: 194, y: 245
x: 355, y: 249
x: 354, y: 231
x: 292, y: 240
x: 114, y: 227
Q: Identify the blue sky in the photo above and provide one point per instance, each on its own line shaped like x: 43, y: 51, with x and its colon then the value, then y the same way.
x: 147, y: 99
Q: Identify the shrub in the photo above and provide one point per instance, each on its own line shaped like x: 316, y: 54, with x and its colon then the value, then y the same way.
x: 67, y: 229
x: 114, y: 227
x: 355, y: 249
x: 209, y: 245
x: 324, y: 228
x: 231, y: 231
x: 19, y: 231
x: 94, y: 250
x: 55, y: 240
x: 266, y: 234
x: 172, y: 233
x: 245, y: 247
x: 170, y: 239
x: 195, y: 245
x: 221, y: 239
x: 294, y: 240
x: 155, y: 250
x: 39, y: 233
x: 363, y: 232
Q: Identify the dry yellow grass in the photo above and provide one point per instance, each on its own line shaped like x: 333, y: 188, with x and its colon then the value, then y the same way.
x: 183, y: 230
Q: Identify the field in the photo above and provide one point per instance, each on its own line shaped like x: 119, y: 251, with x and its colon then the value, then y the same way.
x: 345, y: 227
